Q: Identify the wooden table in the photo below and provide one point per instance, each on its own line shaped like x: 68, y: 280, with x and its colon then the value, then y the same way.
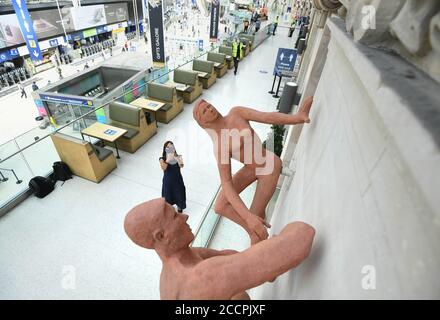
x: 148, y: 104
x: 217, y: 64
x: 179, y: 86
x: 228, y: 57
x: 202, y: 74
x: 104, y: 132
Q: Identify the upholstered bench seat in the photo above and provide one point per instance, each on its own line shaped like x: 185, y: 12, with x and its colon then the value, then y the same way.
x: 102, y: 153
x: 206, y: 72
x: 189, y: 79
x: 166, y: 107
x: 84, y: 159
x: 132, y: 119
x: 220, y: 64
x: 168, y: 95
x: 227, y: 50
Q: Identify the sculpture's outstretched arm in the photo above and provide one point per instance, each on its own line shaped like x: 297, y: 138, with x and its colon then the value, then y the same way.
x: 277, y: 117
x: 232, y: 274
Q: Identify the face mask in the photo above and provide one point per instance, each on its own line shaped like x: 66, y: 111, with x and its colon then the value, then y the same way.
x: 170, y: 149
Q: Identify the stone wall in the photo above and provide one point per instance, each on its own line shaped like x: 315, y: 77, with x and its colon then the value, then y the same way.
x: 366, y: 177
x: 410, y: 28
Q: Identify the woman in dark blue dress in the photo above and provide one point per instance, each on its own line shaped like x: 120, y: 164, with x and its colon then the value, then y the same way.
x: 173, y: 188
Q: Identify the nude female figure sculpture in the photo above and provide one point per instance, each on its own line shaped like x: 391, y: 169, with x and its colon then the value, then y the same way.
x: 234, y: 138
x: 201, y: 273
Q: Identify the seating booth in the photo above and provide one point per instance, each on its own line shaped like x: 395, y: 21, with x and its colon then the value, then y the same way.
x: 84, y: 159
x: 168, y: 95
x: 207, y: 75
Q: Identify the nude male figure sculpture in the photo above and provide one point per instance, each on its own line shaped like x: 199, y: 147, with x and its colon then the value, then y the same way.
x: 200, y: 273
x: 234, y: 138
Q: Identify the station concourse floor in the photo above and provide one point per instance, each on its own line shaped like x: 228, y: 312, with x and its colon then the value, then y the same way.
x: 72, y: 245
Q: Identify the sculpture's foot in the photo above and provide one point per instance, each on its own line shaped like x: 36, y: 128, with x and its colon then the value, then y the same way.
x: 303, y: 112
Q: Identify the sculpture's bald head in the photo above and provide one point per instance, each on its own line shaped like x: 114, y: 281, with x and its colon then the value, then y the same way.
x: 155, y: 224
x: 142, y: 221
x: 205, y: 113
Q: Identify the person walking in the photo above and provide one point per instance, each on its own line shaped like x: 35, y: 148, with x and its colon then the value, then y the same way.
x: 60, y: 73
x: 257, y: 25
x: 235, y: 54
x: 275, y: 25
x: 34, y: 86
x: 242, y: 47
x: 246, y: 26
x: 22, y: 91
x: 173, y: 188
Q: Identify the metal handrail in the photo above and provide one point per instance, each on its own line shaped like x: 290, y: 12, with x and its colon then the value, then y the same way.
x: 4, y: 179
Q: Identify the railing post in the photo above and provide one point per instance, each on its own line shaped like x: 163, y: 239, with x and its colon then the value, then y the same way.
x: 4, y: 179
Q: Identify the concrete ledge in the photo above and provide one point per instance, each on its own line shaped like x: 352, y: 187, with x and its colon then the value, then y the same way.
x: 406, y: 100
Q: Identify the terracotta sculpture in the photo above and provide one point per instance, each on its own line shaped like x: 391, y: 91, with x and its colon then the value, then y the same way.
x: 233, y: 137
x: 201, y: 273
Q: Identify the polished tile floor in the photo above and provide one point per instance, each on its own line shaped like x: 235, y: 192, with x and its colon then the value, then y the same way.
x: 71, y: 244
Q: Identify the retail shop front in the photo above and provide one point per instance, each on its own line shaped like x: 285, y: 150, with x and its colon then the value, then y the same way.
x: 77, y: 95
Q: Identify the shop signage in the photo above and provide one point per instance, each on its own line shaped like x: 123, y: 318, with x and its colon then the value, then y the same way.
x: 119, y: 30
x: 215, y: 16
x: 66, y: 100
x: 27, y: 29
x: 53, y: 42
x: 155, y: 13
x: 102, y: 29
x: 89, y: 33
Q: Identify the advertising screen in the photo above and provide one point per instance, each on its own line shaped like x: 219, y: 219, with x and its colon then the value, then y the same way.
x: 116, y: 12
x: 10, y: 33
x: 47, y: 23
x: 88, y: 16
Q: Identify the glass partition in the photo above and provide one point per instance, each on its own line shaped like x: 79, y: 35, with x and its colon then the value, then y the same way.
x: 207, y: 225
x: 15, y: 172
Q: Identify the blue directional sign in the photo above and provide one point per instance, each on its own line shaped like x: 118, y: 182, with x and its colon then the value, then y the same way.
x: 200, y: 44
x: 8, y: 55
x: 4, y: 56
x: 27, y: 29
x: 14, y: 52
x: 286, y: 59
